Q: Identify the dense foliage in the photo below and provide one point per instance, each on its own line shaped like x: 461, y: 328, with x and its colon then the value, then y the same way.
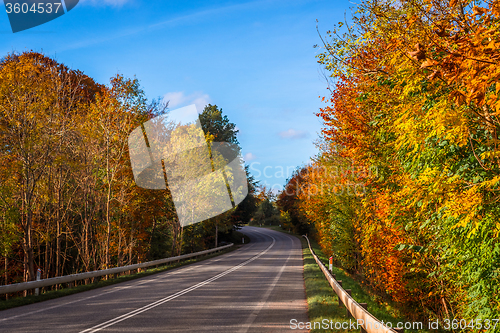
x: 405, y: 190
x: 68, y: 200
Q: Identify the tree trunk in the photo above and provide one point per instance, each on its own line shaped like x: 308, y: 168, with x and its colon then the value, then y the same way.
x: 6, y: 270
x: 119, y: 250
x: 29, y: 248
x: 216, y: 233
x: 6, y: 275
x: 174, y: 239
x: 58, y: 247
x: 65, y: 255
x: 108, y: 221
x: 46, y: 265
x: 131, y: 247
x: 151, y: 238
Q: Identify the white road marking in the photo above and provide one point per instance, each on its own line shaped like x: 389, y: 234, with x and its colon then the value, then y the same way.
x: 174, y: 296
x: 261, y: 304
x: 119, y: 288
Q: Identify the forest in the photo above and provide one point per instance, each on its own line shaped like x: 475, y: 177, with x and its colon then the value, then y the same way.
x: 68, y: 200
x: 404, y: 193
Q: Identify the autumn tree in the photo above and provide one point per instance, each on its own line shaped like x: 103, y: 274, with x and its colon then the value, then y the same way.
x: 413, y: 110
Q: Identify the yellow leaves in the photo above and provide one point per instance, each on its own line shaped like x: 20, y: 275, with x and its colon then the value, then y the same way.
x: 413, y: 126
x: 478, y: 11
x: 489, y: 184
x: 428, y: 176
x: 490, y: 154
x: 425, y: 107
x: 209, y: 137
x: 495, y: 9
x: 491, y: 47
x: 428, y: 63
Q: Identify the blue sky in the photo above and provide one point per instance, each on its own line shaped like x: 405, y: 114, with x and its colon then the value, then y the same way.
x: 254, y: 59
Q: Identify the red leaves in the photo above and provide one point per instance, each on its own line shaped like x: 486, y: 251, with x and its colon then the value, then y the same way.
x: 434, y: 74
x: 419, y: 54
x: 441, y: 32
x: 449, y: 91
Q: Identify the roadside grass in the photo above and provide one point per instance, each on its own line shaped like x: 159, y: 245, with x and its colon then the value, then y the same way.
x: 238, y: 236
x: 51, y: 294
x: 324, y: 310
x: 321, y: 299
x: 382, y: 310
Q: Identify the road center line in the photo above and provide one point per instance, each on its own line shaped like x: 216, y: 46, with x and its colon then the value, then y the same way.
x: 120, y: 287
x: 269, y: 290
x: 173, y: 296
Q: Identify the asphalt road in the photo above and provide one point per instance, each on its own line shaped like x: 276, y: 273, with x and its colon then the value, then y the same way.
x: 257, y: 288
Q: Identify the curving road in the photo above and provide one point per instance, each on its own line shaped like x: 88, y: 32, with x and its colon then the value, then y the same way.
x: 257, y: 288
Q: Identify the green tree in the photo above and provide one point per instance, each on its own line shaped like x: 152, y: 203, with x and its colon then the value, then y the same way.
x: 249, y: 205
x: 218, y: 128
x: 218, y: 125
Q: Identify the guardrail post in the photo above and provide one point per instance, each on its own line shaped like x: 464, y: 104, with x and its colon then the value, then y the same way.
x: 38, y: 273
x: 364, y: 306
x: 349, y: 292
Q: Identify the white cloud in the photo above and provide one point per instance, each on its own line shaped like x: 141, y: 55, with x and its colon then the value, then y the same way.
x: 293, y: 134
x: 249, y: 157
x: 179, y: 98
x: 174, y: 98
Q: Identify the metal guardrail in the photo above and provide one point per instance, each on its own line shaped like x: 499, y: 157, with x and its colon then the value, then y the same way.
x: 12, y: 288
x: 369, y: 323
